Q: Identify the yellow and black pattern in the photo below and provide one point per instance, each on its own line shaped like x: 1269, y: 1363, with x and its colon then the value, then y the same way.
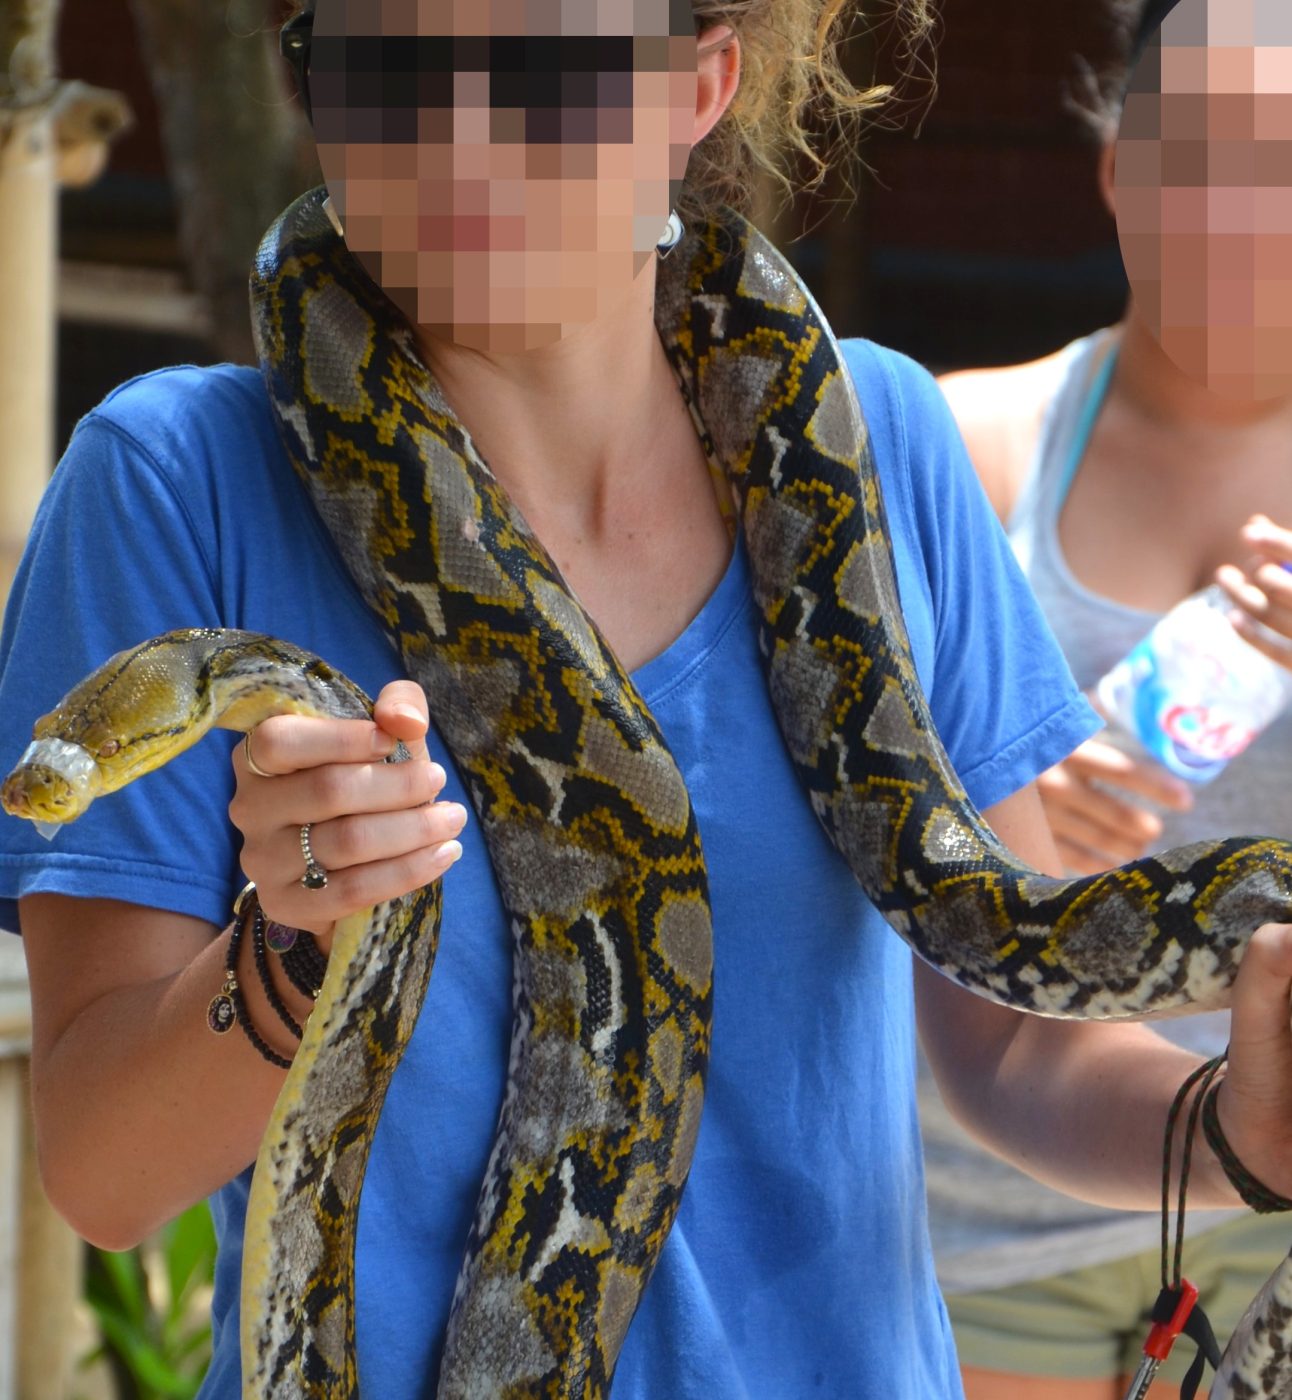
x: 587, y: 819
x: 132, y: 715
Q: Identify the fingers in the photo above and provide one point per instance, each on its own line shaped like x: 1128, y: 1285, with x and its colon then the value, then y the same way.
x: 1262, y: 592
x: 401, y: 710
x: 1264, y: 595
x: 287, y: 744
x: 1261, y: 995
x: 1256, y: 1101
x: 356, y: 886
x: 1093, y: 828
x: 371, y: 837
x: 1271, y: 541
x: 1106, y: 764
x: 1094, y: 845
x: 334, y: 788
x: 375, y: 827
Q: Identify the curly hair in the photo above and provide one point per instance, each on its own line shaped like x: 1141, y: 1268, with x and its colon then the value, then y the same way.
x: 795, y: 107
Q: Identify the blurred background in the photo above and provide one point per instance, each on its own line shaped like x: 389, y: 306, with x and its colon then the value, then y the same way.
x: 145, y: 146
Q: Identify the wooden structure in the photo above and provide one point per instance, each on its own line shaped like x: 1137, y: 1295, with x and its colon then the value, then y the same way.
x: 49, y: 132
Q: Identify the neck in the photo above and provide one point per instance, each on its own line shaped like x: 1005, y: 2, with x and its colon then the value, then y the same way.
x: 1148, y: 381
x: 564, y: 427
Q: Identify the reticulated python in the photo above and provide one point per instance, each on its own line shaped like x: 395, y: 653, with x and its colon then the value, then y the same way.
x: 588, y: 822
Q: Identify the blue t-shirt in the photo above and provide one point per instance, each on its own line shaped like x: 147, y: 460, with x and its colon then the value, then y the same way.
x: 799, y: 1263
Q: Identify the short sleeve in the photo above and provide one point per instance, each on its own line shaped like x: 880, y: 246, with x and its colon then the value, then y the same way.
x: 1001, y: 693
x: 114, y: 557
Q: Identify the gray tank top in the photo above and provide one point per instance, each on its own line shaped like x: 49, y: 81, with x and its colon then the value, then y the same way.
x: 991, y: 1225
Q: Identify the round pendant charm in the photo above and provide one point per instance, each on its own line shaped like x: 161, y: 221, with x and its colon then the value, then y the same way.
x: 221, y: 1013
x: 279, y: 938
x: 315, y: 878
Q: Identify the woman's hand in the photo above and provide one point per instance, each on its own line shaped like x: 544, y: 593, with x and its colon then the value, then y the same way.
x: 1255, y: 1104
x: 374, y: 827
x: 1094, y: 829
x: 1262, y: 592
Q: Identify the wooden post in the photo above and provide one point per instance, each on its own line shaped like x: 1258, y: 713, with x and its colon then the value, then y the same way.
x: 48, y: 130
x: 28, y: 230
x: 28, y: 207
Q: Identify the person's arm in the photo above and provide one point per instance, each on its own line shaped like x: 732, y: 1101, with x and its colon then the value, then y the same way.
x: 140, y: 1110
x: 1082, y: 1106
x: 999, y: 412
x: 1093, y: 798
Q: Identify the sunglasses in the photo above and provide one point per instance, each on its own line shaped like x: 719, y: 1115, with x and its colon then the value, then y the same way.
x: 529, y: 72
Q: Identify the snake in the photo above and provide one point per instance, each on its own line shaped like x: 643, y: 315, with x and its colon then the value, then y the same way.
x: 587, y: 820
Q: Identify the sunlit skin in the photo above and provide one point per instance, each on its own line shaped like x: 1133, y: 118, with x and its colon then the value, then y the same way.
x: 1204, y: 194
x: 502, y: 207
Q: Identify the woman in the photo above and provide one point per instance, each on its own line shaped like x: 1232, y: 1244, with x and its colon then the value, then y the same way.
x: 1129, y: 469
x: 799, y: 1262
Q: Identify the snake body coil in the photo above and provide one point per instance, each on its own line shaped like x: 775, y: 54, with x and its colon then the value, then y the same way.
x: 590, y: 829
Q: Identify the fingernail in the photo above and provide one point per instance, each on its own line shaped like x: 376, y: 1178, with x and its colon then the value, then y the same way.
x: 457, y: 815
x: 383, y: 743
x: 438, y: 776
x: 410, y: 712
x: 450, y: 851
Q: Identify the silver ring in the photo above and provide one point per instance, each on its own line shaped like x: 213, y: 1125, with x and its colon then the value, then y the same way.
x: 315, y: 877
x: 252, y: 765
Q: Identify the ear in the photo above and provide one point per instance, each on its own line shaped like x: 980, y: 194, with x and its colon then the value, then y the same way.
x: 1108, y: 173
x: 718, y: 69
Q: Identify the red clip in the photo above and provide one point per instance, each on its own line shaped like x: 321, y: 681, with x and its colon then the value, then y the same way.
x: 1162, y: 1335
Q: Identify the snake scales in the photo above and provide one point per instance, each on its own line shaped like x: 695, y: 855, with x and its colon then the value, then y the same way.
x: 587, y: 819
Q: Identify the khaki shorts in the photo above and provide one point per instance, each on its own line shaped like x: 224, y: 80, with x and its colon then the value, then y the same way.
x: 1091, y: 1324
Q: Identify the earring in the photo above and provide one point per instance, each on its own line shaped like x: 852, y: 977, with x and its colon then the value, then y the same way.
x: 674, y: 231
x: 333, y: 217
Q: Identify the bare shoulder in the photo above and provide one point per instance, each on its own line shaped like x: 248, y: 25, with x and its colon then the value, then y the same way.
x: 999, y: 413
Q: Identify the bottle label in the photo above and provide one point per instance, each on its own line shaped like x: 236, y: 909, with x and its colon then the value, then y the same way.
x: 1190, y: 693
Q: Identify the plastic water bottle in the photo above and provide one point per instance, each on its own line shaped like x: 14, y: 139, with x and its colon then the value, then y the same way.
x: 1193, y: 694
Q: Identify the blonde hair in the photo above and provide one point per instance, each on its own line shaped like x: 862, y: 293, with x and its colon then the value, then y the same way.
x: 795, y: 106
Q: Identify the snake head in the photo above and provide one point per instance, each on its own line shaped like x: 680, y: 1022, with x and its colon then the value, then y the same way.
x: 52, y: 783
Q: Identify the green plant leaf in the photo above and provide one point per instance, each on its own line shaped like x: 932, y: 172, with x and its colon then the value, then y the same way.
x: 152, y: 1373
x: 188, y: 1251
x: 126, y: 1283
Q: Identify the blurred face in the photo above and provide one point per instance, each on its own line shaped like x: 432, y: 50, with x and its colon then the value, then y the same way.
x: 1204, y: 193
x: 504, y: 168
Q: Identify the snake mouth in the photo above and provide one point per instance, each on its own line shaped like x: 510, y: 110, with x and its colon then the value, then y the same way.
x: 53, y: 782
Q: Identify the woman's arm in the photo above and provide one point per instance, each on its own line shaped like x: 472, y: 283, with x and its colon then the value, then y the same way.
x: 1082, y: 1106
x: 140, y: 1110
x: 999, y: 413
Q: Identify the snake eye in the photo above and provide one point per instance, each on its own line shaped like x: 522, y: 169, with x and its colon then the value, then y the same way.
x: 108, y: 749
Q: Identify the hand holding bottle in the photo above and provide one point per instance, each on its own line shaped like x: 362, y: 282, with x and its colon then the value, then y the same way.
x: 1215, y: 671
x: 1262, y: 592
x: 1092, y: 802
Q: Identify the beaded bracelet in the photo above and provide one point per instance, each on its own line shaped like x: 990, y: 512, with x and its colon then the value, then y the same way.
x: 276, y: 1003
x: 305, y: 967
x: 301, y: 959
x: 228, y: 1006
x: 1254, y: 1193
